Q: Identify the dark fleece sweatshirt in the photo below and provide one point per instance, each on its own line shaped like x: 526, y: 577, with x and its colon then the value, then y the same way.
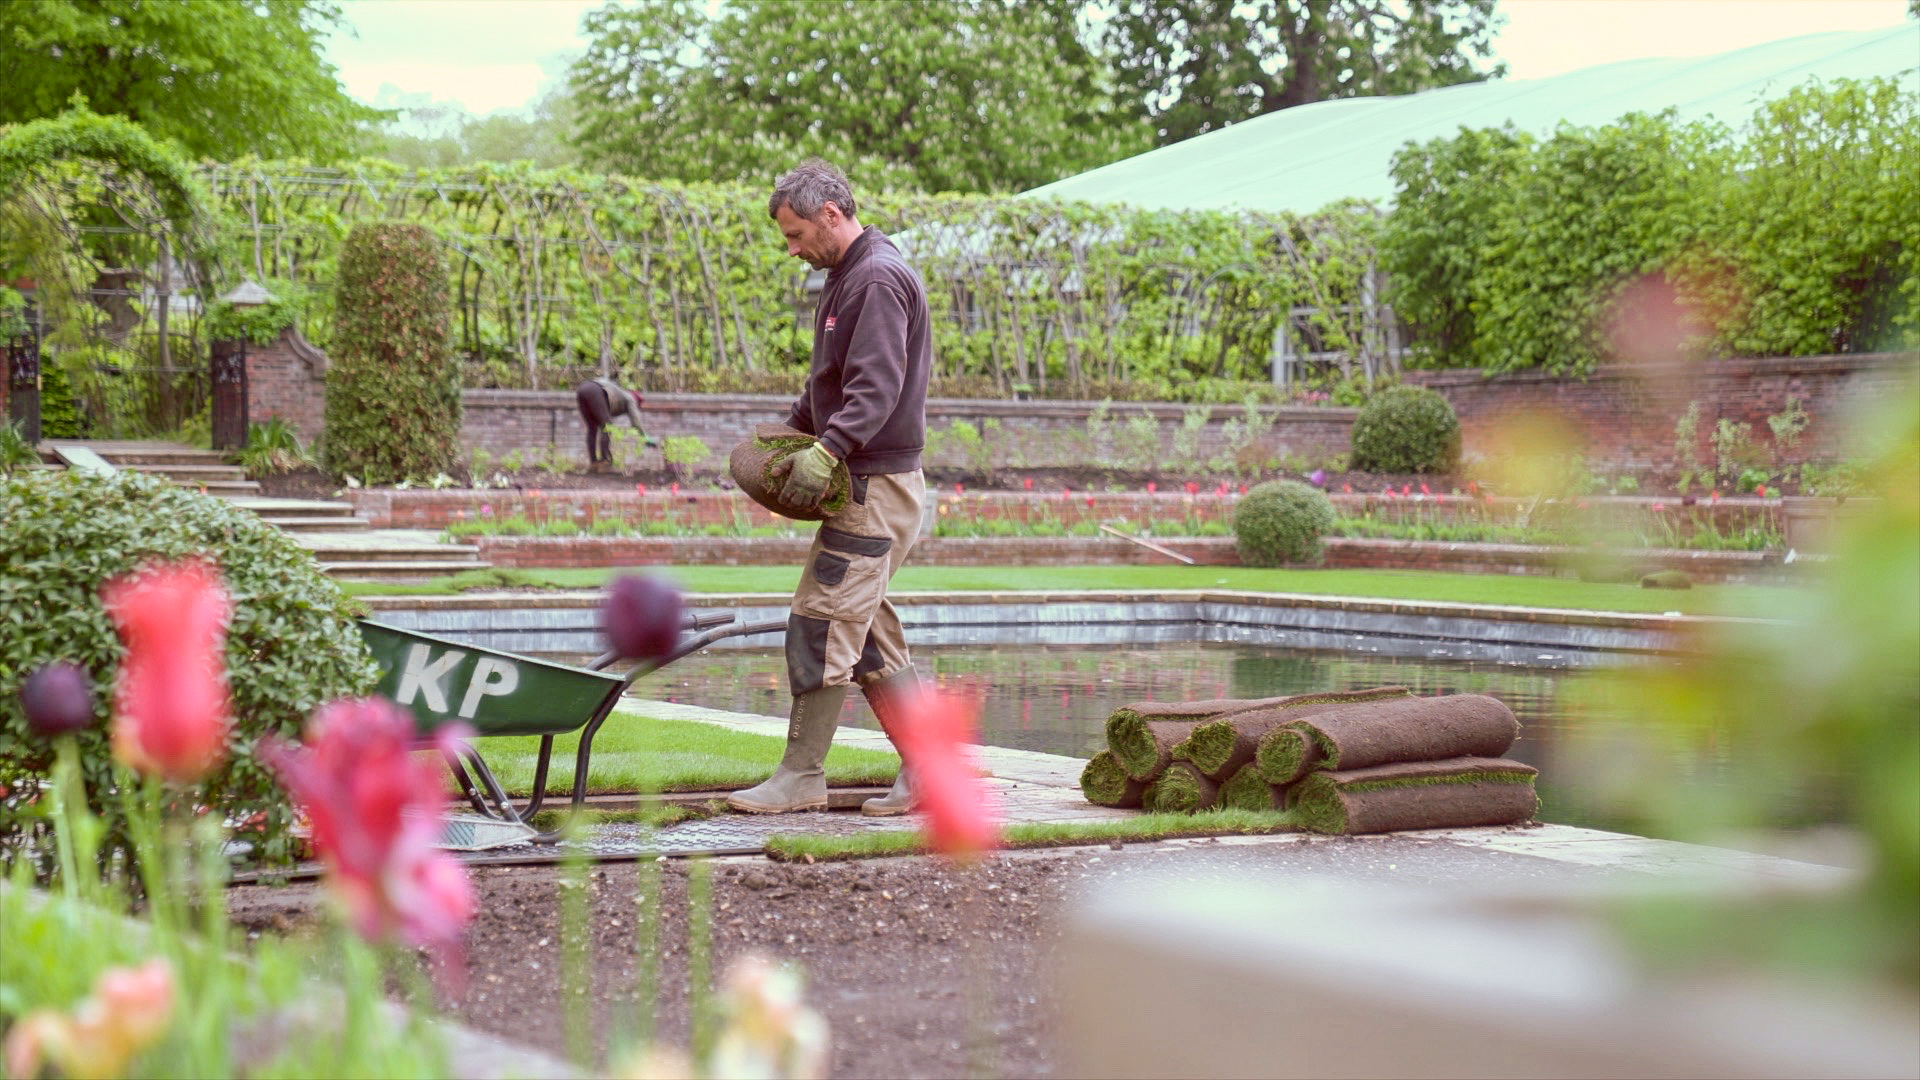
x: 866, y: 395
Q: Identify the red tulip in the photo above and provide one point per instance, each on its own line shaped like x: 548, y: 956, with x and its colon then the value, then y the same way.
x: 1243, y: 489
x: 1424, y: 489
x: 171, y: 706
x: 1152, y: 487
x: 1089, y: 502
x: 1223, y: 489
x: 1761, y: 491
x: 1406, y: 489
x: 1473, y: 487
x: 937, y: 744
x: 641, y: 616
x: 1029, y: 483
x: 1346, y: 489
x: 376, y: 813
x: 58, y: 699
x: 1193, y: 488
x: 959, y: 489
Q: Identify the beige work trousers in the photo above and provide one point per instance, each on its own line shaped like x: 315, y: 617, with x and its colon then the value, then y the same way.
x: 842, y: 628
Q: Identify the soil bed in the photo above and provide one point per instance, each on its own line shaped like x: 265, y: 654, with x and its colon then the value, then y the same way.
x: 888, y: 947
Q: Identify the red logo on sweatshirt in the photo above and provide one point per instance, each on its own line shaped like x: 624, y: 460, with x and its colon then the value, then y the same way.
x: 829, y: 324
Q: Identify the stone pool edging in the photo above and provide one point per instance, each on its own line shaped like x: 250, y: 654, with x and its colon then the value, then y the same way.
x: 568, y: 622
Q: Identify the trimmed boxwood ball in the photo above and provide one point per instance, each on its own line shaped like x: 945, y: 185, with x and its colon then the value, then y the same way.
x: 1406, y: 429
x: 1281, y: 522
x: 291, y: 644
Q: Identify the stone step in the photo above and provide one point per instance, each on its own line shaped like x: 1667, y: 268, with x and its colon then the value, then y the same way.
x: 305, y: 508
x: 419, y: 571
x: 127, y: 453
x: 222, y: 488
x: 319, y: 523
x: 326, y: 552
x: 194, y: 474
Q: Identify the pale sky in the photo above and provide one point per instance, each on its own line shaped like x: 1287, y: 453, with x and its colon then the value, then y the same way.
x: 486, y: 55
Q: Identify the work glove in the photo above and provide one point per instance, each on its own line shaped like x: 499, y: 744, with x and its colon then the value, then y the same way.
x: 808, y: 474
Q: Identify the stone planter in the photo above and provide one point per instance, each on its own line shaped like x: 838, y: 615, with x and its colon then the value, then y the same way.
x: 1810, y: 521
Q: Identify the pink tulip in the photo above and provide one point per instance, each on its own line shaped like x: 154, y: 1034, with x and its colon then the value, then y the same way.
x: 1659, y: 508
x: 1346, y: 489
x: 1318, y: 478
x: 959, y: 489
x: 641, y: 488
x: 1193, y: 487
x: 1029, y: 483
x: 376, y: 812
x: 1152, y: 487
x: 674, y: 487
x: 128, y: 1011
x: 1222, y: 489
x: 1243, y: 489
x: 1424, y: 489
x: 171, y: 706
x: 1761, y: 491
x: 1406, y: 489
x: 937, y: 744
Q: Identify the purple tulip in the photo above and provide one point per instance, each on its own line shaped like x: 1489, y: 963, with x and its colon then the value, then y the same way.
x: 1319, y: 478
x: 58, y: 699
x: 642, y: 617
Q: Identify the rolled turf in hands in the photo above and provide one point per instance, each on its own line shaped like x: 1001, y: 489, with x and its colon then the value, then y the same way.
x: 1246, y: 790
x: 1394, y: 729
x: 1220, y: 746
x: 1105, y: 783
x: 752, y: 462
x: 1456, y: 793
x: 1181, y: 789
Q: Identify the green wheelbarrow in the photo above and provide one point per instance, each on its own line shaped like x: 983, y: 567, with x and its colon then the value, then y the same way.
x: 441, y: 681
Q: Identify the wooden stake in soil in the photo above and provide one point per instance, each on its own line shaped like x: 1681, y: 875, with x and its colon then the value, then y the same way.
x: 1220, y: 746
x: 1105, y: 783
x: 1247, y: 790
x: 1181, y: 790
x: 1452, y: 794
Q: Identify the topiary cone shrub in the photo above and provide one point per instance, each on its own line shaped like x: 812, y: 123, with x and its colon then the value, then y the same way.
x: 393, y: 389
x: 1406, y: 429
x: 291, y: 644
x: 1281, y: 522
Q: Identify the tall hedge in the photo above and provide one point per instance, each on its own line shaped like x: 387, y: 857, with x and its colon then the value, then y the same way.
x: 1792, y: 237
x: 393, y: 390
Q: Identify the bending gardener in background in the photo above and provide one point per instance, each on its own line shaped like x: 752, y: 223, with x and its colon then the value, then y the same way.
x: 866, y: 400
x: 601, y: 400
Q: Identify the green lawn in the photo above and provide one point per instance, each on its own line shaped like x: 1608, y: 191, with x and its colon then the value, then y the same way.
x: 1502, y: 589
x: 637, y: 752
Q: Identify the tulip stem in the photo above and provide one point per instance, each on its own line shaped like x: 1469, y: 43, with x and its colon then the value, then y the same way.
x: 700, y: 1016
x: 575, y: 946
x: 646, y: 944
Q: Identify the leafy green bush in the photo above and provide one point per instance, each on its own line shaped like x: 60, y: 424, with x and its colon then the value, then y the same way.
x: 15, y: 450
x: 1407, y: 429
x: 393, y: 392
x: 291, y: 644
x: 1281, y: 522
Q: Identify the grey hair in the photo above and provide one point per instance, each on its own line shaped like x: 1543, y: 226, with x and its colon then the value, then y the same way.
x: 809, y: 188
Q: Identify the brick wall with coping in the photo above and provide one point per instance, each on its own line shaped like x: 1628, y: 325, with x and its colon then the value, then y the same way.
x: 1623, y: 417
x: 1016, y: 434
x: 287, y: 379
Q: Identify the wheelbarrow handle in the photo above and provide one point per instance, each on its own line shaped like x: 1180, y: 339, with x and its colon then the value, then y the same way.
x: 696, y: 643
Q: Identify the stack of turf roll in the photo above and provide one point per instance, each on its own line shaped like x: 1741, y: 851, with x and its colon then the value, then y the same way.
x: 1358, y: 761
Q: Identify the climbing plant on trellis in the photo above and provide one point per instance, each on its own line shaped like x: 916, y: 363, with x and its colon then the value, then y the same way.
x: 689, y: 286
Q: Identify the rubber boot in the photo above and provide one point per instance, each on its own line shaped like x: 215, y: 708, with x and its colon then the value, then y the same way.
x: 799, y: 783
x: 887, y: 697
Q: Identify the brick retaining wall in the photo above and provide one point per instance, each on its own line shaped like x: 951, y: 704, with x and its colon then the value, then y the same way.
x: 1341, y: 553
x: 1623, y: 417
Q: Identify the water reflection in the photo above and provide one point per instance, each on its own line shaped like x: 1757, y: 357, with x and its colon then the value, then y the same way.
x: 1056, y: 699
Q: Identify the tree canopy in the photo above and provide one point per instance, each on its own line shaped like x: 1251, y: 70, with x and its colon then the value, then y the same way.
x: 968, y: 95
x: 1193, y: 66
x: 223, y: 80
